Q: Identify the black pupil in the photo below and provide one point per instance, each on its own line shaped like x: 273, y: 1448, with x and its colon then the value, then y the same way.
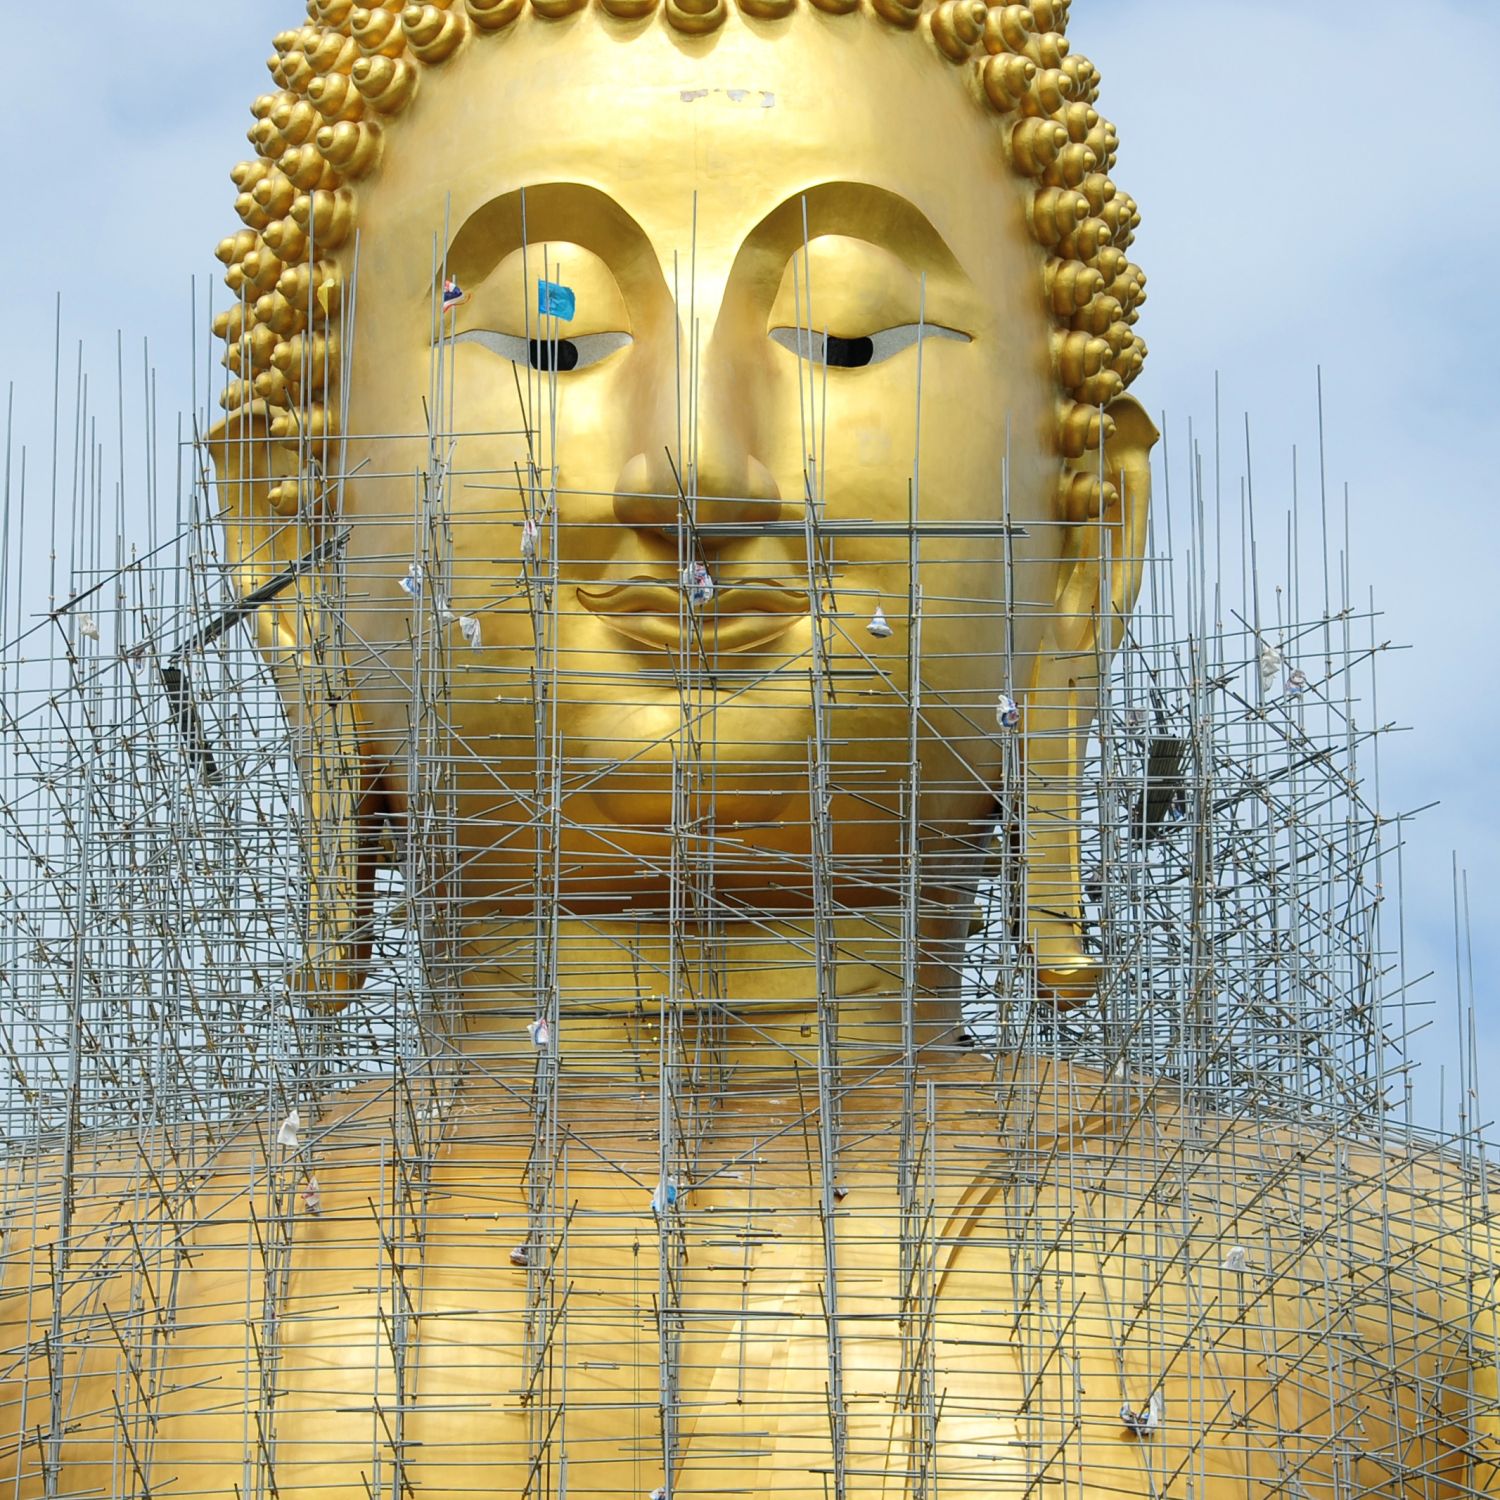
x: 561, y: 354
x: 850, y: 354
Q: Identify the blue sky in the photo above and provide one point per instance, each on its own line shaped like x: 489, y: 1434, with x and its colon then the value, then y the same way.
x: 1315, y: 185
x: 1313, y: 195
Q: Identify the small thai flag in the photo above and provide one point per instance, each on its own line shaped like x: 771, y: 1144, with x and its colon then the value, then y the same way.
x: 453, y: 293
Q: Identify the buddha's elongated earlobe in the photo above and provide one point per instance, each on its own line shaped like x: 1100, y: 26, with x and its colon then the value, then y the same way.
x: 276, y: 517
x: 1104, y: 508
x: 344, y: 819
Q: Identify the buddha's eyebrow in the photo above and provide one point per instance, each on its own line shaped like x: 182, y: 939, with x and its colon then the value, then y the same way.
x: 561, y: 212
x: 861, y: 210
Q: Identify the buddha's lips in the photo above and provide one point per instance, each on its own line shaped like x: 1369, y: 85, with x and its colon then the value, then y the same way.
x: 740, y: 617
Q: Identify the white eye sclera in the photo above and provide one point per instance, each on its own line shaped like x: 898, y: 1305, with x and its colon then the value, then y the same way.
x: 868, y: 349
x: 576, y: 353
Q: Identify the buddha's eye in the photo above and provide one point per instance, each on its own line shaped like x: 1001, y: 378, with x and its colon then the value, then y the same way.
x: 870, y: 349
x: 546, y: 354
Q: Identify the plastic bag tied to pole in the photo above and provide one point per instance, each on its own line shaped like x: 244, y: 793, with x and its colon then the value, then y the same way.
x: 1147, y: 1420
x: 698, y: 583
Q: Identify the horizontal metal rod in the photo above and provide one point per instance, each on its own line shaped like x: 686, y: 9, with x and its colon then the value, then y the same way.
x: 728, y: 529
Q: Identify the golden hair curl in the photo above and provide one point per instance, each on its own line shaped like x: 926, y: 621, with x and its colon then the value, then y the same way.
x: 354, y: 68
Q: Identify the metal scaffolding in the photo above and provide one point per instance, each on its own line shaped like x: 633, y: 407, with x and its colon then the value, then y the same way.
x: 1184, y: 1234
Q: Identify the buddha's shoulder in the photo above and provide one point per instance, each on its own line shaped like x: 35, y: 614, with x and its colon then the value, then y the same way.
x: 187, y: 1179
x: 1042, y: 1126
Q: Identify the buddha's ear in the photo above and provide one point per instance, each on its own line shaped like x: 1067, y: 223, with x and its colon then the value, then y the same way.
x: 274, y: 517
x: 1106, y: 505
x: 1106, y: 508
x: 258, y: 480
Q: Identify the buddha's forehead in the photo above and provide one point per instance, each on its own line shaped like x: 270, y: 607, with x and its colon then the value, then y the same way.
x: 697, y: 142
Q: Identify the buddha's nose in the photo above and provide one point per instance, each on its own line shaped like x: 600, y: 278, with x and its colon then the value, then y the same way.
x: 717, y: 471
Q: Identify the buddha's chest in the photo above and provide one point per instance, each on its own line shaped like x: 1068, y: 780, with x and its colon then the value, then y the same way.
x: 744, y: 1338
x: 469, y: 1325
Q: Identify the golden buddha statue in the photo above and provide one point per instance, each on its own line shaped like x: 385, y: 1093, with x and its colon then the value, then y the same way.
x: 691, y: 1184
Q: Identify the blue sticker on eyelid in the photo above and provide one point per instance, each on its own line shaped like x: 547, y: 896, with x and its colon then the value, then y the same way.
x: 553, y: 300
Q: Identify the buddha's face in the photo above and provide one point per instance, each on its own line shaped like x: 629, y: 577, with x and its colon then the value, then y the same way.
x: 703, y: 200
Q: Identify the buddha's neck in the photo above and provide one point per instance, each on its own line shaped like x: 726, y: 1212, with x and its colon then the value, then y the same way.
x: 751, y: 993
